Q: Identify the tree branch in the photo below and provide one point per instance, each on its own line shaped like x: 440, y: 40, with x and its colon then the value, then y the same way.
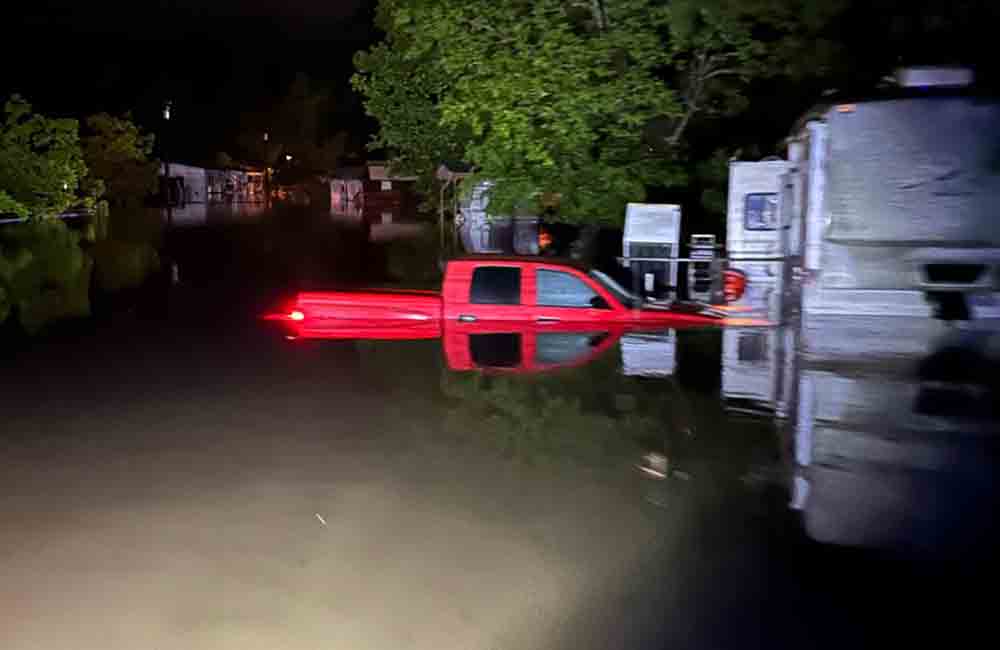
x: 599, y: 13
x: 720, y: 72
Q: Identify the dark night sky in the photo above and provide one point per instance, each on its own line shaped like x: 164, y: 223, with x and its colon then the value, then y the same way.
x: 217, y: 59
x: 214, y: 58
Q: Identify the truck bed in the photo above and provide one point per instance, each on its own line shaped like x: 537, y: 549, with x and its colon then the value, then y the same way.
x: 383, y: 313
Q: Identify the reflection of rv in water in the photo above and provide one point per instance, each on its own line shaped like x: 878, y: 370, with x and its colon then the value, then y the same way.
x: 887, y: 442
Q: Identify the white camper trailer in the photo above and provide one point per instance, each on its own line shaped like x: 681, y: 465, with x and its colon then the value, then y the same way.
x: 756, y: 246
x: 756, y: 239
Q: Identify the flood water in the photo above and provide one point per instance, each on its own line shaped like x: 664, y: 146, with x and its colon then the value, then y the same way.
x: 182, y: 476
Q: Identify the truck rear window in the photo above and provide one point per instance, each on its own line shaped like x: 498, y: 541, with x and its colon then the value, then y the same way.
x: 496, y: 285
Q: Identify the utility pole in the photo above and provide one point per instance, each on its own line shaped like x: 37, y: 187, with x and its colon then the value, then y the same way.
x: 267, y: 170
x: 166, y: 163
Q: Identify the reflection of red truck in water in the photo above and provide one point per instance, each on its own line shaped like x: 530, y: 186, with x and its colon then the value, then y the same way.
x: 486, y: 290
x: 525, y: 348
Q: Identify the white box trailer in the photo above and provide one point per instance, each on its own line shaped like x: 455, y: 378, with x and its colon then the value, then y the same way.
x: 653, y: 235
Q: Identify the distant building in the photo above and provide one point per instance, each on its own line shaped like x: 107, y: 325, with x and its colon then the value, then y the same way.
x: 371, y: 190
x: 189, y: 184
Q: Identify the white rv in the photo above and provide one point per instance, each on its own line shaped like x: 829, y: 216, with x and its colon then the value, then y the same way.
x: 884, y: 260
x: 884, y: 206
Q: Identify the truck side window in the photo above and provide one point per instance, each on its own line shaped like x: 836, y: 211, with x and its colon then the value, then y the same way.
x: 496, y: 285
x: 760, y: 212
x: 495, y: 350
x: 558, y: 289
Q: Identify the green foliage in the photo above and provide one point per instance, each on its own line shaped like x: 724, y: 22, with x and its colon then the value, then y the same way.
x: 537, y: 420
x: 566, y: 415
x: 41, y: 163
x: 43, y: 273
x: 413, y: 261
x: 587, y: 101
x: 118, y: 155
x: 53, y: 304
x: 402, y: 85
x: 713, y: 178
x: 538, y: 101
x: 122, y: 264
x: 295, y: 125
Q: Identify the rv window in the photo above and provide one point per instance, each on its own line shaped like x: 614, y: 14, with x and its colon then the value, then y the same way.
x: 496, y: 285
x: 752, y: 347
x: 760, y: 212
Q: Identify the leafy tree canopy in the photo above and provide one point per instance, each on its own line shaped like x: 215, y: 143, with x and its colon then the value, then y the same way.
x: 587, y: 100
x: 41, y: 162
x: 295, y: 125
x: 118, y: 156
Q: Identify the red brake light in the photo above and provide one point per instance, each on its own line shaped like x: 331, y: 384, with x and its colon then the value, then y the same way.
x: 734, y: 285
x: 296, y: 315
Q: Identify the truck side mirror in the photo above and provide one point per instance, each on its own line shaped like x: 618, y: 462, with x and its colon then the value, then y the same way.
x: 598, y: 302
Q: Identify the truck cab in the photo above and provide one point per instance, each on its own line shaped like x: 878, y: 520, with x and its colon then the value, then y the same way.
x: 488, y: 288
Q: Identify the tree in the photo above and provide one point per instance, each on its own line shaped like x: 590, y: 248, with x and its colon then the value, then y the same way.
x: 402, y: 86
x: 587, y: 100
x: 41, y: 163
x: 118, y: 155
x: 719, y: 46
x: 43, y: 270
x: 258, y: 146
x: 295, y: 125
x: 538, y: 99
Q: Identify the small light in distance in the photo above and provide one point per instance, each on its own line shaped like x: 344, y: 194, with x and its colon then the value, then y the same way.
x: 296, y: 315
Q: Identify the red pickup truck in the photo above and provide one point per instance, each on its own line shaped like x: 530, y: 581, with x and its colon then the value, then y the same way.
x: 486, y: 290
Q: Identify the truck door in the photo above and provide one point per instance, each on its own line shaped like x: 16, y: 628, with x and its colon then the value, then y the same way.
x: 495, y: 294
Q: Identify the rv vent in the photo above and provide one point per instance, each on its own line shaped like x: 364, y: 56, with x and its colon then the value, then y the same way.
x: 934, y: 77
